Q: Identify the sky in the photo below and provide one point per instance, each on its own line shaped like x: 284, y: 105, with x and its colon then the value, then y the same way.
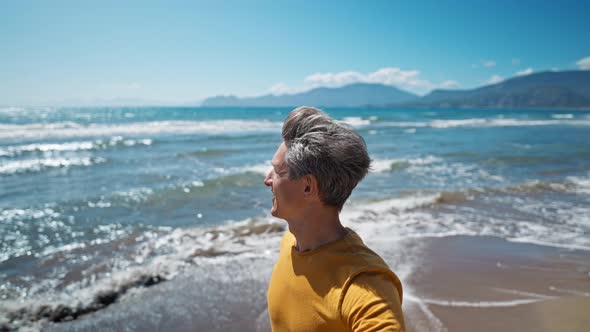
x: 180, y: 52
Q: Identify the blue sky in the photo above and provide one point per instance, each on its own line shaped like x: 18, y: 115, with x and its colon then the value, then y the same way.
x: 56, y: 52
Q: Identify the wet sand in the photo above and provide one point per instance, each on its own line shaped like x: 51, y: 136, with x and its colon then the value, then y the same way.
x: 463, y: 284
x: 489, y: 284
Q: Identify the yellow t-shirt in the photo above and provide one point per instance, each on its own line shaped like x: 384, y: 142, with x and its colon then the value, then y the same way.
x: 342, y: 286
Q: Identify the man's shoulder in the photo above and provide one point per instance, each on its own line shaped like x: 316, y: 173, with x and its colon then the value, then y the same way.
x: 355, y: 247
x: 372, y: 299
x: 287, y: 241
x: 369, y: 266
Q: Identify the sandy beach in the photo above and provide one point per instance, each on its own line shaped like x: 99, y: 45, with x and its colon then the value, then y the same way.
x: 491, y: 284
x: 464, y: 283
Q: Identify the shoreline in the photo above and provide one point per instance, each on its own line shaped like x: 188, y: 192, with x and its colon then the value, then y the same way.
x: 462, y: 282
x: 496, y: 284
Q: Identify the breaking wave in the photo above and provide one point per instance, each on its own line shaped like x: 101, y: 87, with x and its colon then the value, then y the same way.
x: 18, y: 150
x: 160, y: 256
x: 562, y: 116
x: 36, y: 165
x: 442, y: 124
x: 384, y: 165
x: 73, y: 129
x: 356, y: 121
x: 162, y: 253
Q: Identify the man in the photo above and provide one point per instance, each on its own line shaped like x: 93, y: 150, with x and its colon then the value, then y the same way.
x: 325, y: 278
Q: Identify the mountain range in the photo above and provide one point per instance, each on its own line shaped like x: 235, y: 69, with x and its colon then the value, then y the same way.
x: 550, y: 89
x: 353, y: 95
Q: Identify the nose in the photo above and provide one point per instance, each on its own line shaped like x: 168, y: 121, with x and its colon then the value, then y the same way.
x: 268, y: 179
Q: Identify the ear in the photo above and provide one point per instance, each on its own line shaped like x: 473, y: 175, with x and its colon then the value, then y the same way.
x: 310, y: 186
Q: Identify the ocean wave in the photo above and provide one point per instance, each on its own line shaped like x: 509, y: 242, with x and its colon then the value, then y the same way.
x: 435, y: 171
x: 383, y: 165
x: 17, y: 150
x: 11, y: 109
x: 562, y: 116
x: 571, y: 184
x: 179, y: 193
x: 260, y: 168
x: 36, y: 165
x: 581, y: 184
x: 159, y: 256
x: 485, y: 122
x: 507, y: 212
x: 72, y: 129
x: 205, y: 152
x: 356, y: 121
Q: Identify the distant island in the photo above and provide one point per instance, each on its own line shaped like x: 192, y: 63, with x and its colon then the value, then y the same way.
x: 550, y: 89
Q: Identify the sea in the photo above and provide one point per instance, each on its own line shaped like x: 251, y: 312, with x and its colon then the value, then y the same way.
x: 100, y: 203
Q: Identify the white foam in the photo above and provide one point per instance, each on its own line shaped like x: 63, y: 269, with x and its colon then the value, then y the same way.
x: 355, y: 121
x: 71, y: 129
x: 582, y: 184
x: 424, y: 160
x: 35, y: 165
x: 486, y: 122
x: 458, y: 123
x: 383, y: 165
x: 521, y: 293
x: 11, y: 151
x: 562, y: 116
x: 474, y: 304
x: 569, y: 291
x: 361, y: 211
x: 534, y: 240
x: 421, y: 215
x: 70, y: 146
x: 263, y: 168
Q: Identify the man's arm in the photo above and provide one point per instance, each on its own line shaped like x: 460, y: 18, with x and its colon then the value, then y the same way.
x: 372, y: 303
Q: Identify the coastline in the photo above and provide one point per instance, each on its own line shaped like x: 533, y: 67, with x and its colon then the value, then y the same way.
x: 461, y: 282
x: 494, y: 284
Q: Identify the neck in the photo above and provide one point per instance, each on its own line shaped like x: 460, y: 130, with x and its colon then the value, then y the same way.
x: 316, y: 228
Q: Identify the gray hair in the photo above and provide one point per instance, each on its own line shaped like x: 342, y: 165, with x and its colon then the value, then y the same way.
x: 330, y: 151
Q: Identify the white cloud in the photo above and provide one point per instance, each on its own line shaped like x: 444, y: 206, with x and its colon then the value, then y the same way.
x: 449, y: 84
x: 404, y: 79
x: 397, y: 77
x: 515, y: 61
x: 334, y: 79
x: 282, y: 88
x: 488, y: 63
x: 584, y: 63
x: 495, y: 79
x: 525, y: 72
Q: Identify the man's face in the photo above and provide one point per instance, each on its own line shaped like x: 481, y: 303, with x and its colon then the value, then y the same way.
x: 287, y: 193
